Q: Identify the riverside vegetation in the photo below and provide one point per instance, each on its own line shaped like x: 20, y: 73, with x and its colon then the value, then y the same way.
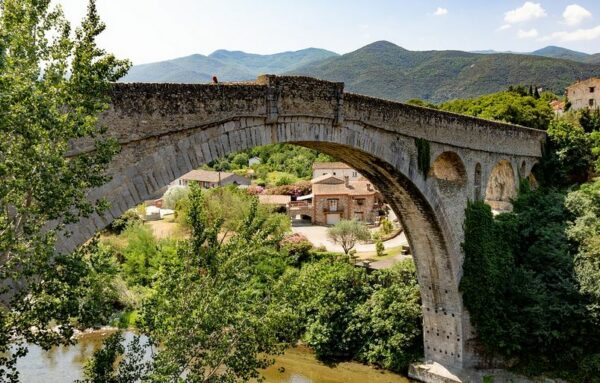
x: 216, y: 306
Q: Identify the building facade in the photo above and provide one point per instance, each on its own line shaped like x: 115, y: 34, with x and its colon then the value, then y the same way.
x: 336, y: 199
x: 338, y: 169
x: 584, y: 94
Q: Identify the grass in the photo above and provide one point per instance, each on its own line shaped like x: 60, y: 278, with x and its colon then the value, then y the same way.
x: 389, y: 253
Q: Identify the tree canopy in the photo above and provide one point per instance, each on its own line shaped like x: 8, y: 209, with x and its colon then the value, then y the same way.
x: 53, y: 85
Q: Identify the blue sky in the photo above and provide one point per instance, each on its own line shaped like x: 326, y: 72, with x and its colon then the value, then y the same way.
x: 152, y: 30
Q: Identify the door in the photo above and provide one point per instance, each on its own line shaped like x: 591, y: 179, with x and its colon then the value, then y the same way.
x: 332, y: 219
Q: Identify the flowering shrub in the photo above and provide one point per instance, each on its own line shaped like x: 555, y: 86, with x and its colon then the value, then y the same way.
x: 298, y: 248
x: 297, y: 189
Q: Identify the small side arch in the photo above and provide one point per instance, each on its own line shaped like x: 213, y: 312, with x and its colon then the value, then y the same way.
x: 501, y: 187
x: 449, y: 168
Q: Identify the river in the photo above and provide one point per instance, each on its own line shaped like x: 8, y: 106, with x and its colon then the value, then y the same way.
x: 297, y: 365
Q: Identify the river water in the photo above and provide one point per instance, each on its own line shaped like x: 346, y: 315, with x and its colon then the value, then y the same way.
x: 297, y: 365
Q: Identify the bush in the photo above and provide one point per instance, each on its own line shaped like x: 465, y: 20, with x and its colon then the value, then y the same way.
x: 379, y: 248
x: 118, y: 225
x: 173, y: 195
x: 296, y: 189
x: 387, y: 227
x: 298, y: 249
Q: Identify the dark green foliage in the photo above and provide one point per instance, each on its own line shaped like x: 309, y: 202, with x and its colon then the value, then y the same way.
x: 589, y: 120
x: 346, y: 314
x: 389, y: 322
x: 521, y: 287
x: 509, y: 106
x: 118, y: 225
x: 423, y: 155
x: 568, y: 156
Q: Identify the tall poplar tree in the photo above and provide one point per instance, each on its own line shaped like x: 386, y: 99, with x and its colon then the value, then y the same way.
x: 54, y: 83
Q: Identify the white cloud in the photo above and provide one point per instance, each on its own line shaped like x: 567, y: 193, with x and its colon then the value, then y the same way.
x: 528, y: 11
x: 572, y: 36
x: 504, y: 27
x: 440, y: 11
x: 574, y: 14
x: 527, y: 34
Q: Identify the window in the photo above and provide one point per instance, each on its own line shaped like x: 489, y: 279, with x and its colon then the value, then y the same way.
x: 354, y: 174
x: 360, y: 201
x: 333, y: 173
x: 591, y: 102
x: 592, y: 89
x: 333, y: 204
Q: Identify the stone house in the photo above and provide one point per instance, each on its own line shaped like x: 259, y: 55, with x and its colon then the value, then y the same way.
x: 338, y: 169
x: 209, y: 179
x: 584, y: 94
x: 336, y: 198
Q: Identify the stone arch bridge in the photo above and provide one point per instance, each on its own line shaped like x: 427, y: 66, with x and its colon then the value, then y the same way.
x: 166, y: 130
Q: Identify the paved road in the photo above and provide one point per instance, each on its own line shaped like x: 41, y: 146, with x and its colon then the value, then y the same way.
x: 318, y: 236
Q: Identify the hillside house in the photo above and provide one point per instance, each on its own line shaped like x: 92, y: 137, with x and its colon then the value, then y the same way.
x: 207, y: 179
x: 335, y: 199
x: 584, y: 94
x: 338, y: 169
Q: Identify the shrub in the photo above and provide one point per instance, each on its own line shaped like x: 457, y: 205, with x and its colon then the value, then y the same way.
x: 387, y: 227
x: 298, y: 249
x: 174, y: 195
x: 379, y: 248
x: 118, y: 225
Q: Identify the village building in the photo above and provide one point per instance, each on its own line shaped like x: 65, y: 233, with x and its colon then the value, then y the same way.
x: 207, y: 179
x: 335, y: 198
x: 338, y: 169
x: 584, y: 94
x: 558, y: 107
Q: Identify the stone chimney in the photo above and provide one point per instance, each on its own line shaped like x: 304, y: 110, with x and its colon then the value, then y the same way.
x: 347, y: 181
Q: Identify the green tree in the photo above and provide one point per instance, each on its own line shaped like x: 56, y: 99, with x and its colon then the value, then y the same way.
x: 348, y: 233
x: 509, y: 106
x: 390, y: 320
x: 100, y: 369
x: 207, y: 314
x: 53, y: 85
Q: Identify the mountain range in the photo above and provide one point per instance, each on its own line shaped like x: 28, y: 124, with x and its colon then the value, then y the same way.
x: 227, y: 65
x: 557, y: 53
x: 383, y: 69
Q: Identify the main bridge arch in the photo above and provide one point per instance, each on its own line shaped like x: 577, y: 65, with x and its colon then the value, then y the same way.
x: 167, y: 130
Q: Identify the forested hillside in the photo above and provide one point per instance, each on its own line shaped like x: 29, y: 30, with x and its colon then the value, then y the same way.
x: 385, y: 70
